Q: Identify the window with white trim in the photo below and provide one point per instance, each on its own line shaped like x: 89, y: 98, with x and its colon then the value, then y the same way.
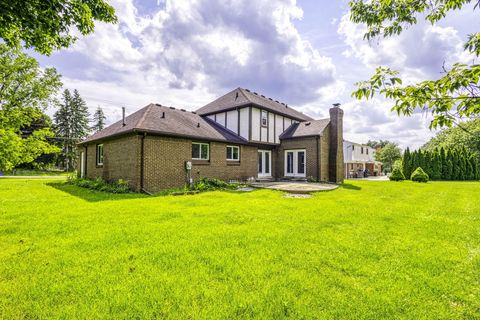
x: 233, y: 153
x: 200, y: 151
x: 99, y: 154
x: 264, y: 118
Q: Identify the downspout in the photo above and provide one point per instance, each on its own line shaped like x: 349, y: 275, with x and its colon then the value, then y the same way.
x: 142, y: 161
x: 85, y: 162
x: 318, y: 158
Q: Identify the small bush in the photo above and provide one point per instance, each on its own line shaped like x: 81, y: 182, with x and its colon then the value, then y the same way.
x: 210, y: 184
x: 397, y: 174
x: 419, y: 175
x: 119, y: 186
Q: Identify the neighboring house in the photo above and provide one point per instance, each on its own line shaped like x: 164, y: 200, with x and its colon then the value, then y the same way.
x: 359, y: 157
x: 239, y: 136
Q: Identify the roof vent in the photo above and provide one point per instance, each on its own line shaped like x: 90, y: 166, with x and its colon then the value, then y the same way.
x: 183, y: 110
x: 172, y: 108
x: 286, y: 106
x: 277, y: 101
x: 236, y: 96
x: 163, y: 115
x: 198, y: 125
x: 270, y: 99
x: 158, y: 104
x: 255, y: 93
x: 194, y: 112
x: 308, y: 123
x: 248, y: 90
x: 263, y: 96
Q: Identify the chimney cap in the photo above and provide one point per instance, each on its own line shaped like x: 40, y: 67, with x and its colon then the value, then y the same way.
x: 337, y: 104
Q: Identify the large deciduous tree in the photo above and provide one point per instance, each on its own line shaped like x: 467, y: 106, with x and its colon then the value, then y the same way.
x: 25, y: 92
x: 388, y: 155
x: 453, y: 97
x: 71, y: 125
x: 47, y: 25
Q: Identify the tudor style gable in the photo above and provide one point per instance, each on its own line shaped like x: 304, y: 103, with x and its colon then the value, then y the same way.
x: 252, y: 116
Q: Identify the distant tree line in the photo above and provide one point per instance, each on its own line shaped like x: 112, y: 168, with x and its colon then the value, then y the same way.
x: 443, y: 164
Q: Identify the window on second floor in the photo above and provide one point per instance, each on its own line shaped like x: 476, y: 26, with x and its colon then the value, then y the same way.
x: 200, y: 151
x: 367, y: 150
x: 99, y: 155
x: 353, y: 147
x: 361, y: 150
x: 233, y: 153
x: 264, y: 118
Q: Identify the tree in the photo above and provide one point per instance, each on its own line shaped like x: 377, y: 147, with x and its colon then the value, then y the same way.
x: 455, y: 96
x: 377, y: 144
x: 71, y: 123
x: 25, y: 91
x: 46, y: 25
x: 98, y: 120
x: 388, y: 155
x: 457, y: 137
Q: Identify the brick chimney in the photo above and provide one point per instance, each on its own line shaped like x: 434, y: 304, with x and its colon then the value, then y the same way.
x: 335, y: 160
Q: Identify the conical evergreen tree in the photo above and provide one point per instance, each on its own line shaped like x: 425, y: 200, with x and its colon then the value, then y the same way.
x: 98, y: 120
x: 407, y: 162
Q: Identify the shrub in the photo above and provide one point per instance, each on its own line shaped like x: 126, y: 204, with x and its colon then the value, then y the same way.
x: 397, y: 174
x: 419, y: 175
x: 210, y: 184
x: 119, y: 186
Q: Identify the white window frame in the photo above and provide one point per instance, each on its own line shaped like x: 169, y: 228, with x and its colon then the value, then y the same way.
x: 238, y: 153
x: 264, y: 116
x: 99, y: 158
x: 201, y: 144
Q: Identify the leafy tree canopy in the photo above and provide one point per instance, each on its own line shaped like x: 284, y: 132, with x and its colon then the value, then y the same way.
x: 468, y: 136
x: 388, y: 155
x: 456, y: 95
x: 25, y: 91
x: 377, y: 144
x: 47, y: 25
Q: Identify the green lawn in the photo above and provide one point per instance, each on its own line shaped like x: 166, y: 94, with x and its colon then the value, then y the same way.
x: 368, y: 250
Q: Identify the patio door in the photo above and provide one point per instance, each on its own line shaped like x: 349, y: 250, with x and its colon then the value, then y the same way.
x: 295, y: 163
x: 264, y: 163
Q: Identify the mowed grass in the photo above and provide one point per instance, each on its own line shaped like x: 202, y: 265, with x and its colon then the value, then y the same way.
x: 369, y: 250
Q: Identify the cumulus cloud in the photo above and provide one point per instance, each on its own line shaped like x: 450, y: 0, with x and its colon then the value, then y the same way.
x: 194, y: 45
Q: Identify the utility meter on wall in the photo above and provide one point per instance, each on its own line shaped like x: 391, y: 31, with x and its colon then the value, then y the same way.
x: 188, y: 165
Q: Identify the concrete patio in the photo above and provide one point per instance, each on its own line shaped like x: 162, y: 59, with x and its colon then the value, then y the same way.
x: 296, y: 187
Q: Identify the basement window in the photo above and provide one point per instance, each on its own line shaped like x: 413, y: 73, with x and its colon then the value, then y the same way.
x: 200, y: 151
x: 264, y: 118
x: 99, y: 155
x: 233, y: 153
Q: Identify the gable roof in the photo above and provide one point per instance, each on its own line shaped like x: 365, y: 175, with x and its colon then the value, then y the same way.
x: 305, y: 129
x: 161, y: 120
x: 241, y: 97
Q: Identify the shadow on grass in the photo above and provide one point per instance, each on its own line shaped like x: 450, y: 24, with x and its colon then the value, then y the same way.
x: 349, y: 186
x: 93, y: 195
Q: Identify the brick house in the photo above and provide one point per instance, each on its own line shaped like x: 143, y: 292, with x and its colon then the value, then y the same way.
x: 236, y: 137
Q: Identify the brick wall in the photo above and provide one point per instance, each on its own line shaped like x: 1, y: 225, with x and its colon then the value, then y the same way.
x: 165, y: 159
x: 121, y: 160
x: 310, y: 144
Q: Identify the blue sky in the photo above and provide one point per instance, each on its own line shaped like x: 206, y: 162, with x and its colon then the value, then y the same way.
x: 306, y: 53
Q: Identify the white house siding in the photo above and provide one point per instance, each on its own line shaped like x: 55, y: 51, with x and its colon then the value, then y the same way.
x: 264, y: 134
x: 278, y: 127
x: 232, y: 120
x: 255, y: 124
x: 271, y: 127
x: 220, y: 118
x: 244, y: 123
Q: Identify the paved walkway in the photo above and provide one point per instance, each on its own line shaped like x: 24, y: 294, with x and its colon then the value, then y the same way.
x: 296, y: 187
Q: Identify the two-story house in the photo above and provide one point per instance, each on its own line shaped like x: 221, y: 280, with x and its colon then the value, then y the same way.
x: 358, y: 158
x: 239, y: 136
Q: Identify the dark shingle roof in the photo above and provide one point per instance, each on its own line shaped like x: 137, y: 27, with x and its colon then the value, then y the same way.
x: 240, y: 97
x: 305, y: 129
x: 162, y: 120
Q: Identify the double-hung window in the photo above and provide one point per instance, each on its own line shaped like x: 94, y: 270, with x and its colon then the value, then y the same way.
x: 264, y: 118
x: 99, y: 155
x: 200, y: 151
x: 233, y: 153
